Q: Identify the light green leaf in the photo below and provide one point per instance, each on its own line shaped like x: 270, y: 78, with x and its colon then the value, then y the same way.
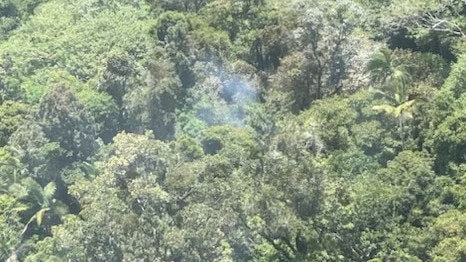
x: 49, y: 190
x: 40, y: 215
x: 385, y: 108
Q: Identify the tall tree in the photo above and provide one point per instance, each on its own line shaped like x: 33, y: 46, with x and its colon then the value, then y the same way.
x: 393, y: 79
x: 38, y: 205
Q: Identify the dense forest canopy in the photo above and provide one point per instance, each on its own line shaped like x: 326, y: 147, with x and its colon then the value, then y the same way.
x: 232, y: 130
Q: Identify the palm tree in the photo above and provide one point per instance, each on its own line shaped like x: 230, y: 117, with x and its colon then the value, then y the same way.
x: 382, y: 68
x: 38, y: 203
x: 395, y: 79
x: 402, y: 111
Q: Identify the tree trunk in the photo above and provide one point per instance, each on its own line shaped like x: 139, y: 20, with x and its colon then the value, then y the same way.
x: 401, y: 133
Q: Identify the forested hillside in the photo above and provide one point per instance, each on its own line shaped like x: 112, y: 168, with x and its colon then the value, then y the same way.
x: 232, y: 130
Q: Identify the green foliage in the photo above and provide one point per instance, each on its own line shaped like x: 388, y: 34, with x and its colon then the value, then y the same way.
x: 219, y: 138
x: 9, y: 16
x: 232, y: 130
x: 457, y: 77
x: 153, y: 105
x: 188, y: 147
x: 395, y: 79
x: 445, y: 120
x: 103, y: 110
x: 64, y: 120
x: 447, y: 227
x: 10, y: 227
x: 424, y: 67
x: 12, y: 114
x: 331, y: 119
x: 13, y: 13
x: 37, y: 204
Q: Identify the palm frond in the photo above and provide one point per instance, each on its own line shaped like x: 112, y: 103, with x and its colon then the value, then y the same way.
x: 18, y: 191
x: 379, y: 65
x: 385, y: 108
x: 401, y: 75
x: 403, y: 110
x: 407, y: 105
x: 49, y: 190
x: 396, y: 111
x: 38, y: 217
x: 20, y: 208
x: 35, y: 191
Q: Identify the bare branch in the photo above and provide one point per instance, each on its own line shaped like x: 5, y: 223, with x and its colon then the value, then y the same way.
x: 434, y: 22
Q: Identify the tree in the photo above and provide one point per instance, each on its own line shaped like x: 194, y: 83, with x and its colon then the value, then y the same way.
x: 152, y: 105
x: 324, y: 38
x: 391, y: 211
x: 402, y: 111
x: 10, y: 227
x: 448, y: 235
x: 387, y: 72
x: 40, y: 158
x: 127, y: 189
x: 331, y: 120
x: 37, y: 204
x: 444, y: 119
x: 63, y: 120
x: 10, y: 168
x: 394, y: 78
x: 232, y: 130
x: 318, y: 60
x: 9, y: 16
x: 172, y: 31
x: 447, y: 140
x: 11, y: 114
